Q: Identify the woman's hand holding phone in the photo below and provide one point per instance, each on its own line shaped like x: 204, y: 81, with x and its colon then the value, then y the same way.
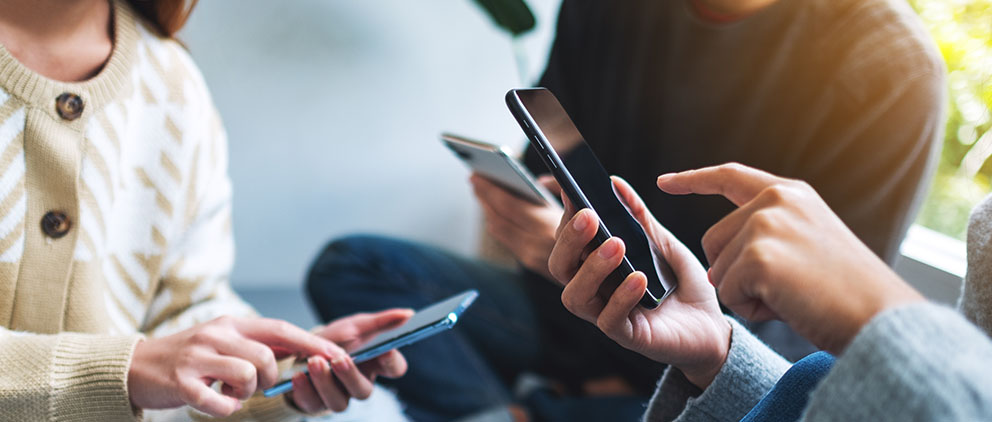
x: 687, y: 330
x: 525, y: 228
x: 179, y: 369
x: 320, y: 391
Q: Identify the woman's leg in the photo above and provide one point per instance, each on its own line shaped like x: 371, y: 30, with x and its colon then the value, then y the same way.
x: 452, y: 374
x: 786, y: 401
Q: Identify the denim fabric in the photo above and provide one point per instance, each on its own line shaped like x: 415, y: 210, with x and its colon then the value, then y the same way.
x: 787, y: 399
x: 506, y: 331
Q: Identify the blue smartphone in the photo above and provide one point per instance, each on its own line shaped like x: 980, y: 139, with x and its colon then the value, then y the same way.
x: 425, y: 323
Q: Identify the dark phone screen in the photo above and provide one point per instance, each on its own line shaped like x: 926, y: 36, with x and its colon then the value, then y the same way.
x: 449, y: 308
x: 588, y: 173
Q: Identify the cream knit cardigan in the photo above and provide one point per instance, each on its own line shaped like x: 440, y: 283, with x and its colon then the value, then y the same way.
x: 142, y: 176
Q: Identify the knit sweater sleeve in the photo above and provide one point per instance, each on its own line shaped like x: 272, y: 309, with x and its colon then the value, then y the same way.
x: 752, y: 369
x: 65, y: 377
x: 921, y: 362
x: 194, y: 285
x: 976, y: 293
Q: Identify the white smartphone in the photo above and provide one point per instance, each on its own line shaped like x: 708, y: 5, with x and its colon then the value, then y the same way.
x: 496, y: 164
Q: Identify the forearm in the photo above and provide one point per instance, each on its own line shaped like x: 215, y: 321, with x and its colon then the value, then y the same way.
x: 915, y: 362
x: 751, y: 369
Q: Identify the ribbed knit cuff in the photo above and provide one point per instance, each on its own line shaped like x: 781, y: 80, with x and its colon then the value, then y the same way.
x: 751, y: 369
x: 89, y: 378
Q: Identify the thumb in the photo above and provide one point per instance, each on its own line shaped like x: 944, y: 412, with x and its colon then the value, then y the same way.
x: 373, y: 323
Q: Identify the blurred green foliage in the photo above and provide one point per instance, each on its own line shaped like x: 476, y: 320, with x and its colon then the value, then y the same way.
x: 512, y: 16
x: 963, y: 32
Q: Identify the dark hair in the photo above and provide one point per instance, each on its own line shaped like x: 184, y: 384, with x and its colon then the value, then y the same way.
x: 167, y: 16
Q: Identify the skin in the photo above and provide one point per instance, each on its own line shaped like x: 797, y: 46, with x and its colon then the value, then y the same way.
x: 334, y: 391
x: 736, y: 7
x: 526, y: 229
x: 782, y: 254
x: 687, y: 330
x: 71, y: 41
x: 242, y: 353
x: 62, y: 40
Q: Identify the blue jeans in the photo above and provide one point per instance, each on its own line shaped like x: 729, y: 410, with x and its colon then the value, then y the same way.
x: 787, y: 399
x: 516, y: 325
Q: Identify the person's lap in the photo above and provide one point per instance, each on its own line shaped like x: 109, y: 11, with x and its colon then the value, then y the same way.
x: 787, y: 399
x: 516, y: 325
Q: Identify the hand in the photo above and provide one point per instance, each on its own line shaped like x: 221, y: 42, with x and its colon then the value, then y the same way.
x: 523, y: 227
x: 179, y: 369
x: 785, y: 254
x: 327, y: 390
x: 687, y: 330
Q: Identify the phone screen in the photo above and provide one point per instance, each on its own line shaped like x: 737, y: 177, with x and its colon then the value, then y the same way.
x: 593, y: 185
x: 425, y: 323
x: 439, y: 315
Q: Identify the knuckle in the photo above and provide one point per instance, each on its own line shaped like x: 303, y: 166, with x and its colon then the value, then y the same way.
x: 604, y: 325
x: 733, y: 167
x: 556, y: 270
x: 364, y: 393
x: 204, y: 335
x: 265, y: 357
x: 764, y: 221
x: 761, y: 255
x: 339, y: 405
x: 730, y: 169
x: 282, y: 328
x: 708, y: 240
x: 778, y: 193
x: 246, y: 376
x: 568, y: 301
x: 224, y: 320
x: 198, y: 398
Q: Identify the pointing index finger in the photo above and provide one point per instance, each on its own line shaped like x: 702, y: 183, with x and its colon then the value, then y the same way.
x: 286, y: 336
x: 736, y: 182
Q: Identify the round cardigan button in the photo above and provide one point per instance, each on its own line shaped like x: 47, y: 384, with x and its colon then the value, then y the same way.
x: 69, y: 106
x: 55, y: 224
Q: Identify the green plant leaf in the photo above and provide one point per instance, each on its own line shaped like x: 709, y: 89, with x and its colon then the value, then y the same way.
x: 513, y: 16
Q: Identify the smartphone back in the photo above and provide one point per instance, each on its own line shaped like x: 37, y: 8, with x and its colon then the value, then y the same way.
x: 495, y: 163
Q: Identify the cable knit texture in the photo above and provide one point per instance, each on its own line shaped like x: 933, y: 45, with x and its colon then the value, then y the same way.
x: 976, y: 292
x: 752, y: 368
x: 141, y: 176
x: 922, y: 362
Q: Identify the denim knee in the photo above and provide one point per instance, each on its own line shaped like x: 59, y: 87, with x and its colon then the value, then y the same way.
x: 355, y: 257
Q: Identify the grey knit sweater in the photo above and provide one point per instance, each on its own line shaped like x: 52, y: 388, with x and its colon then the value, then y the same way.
x: 921, y: 362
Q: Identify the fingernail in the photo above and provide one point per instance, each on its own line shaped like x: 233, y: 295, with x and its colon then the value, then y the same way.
x: 633, y: 287
x: 312, y: 361
x: 665, y: 176
x: 609, y: 248
x: 339, y: 364
x: 581, y: 223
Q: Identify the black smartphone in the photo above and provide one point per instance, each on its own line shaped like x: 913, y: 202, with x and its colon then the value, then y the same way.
x: 588, y: 185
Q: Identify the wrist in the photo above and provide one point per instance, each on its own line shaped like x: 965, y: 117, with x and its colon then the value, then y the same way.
x: 702, y: 374
x: 891, y: 295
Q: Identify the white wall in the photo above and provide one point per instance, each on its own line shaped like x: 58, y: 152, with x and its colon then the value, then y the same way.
x: 333, y: 110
